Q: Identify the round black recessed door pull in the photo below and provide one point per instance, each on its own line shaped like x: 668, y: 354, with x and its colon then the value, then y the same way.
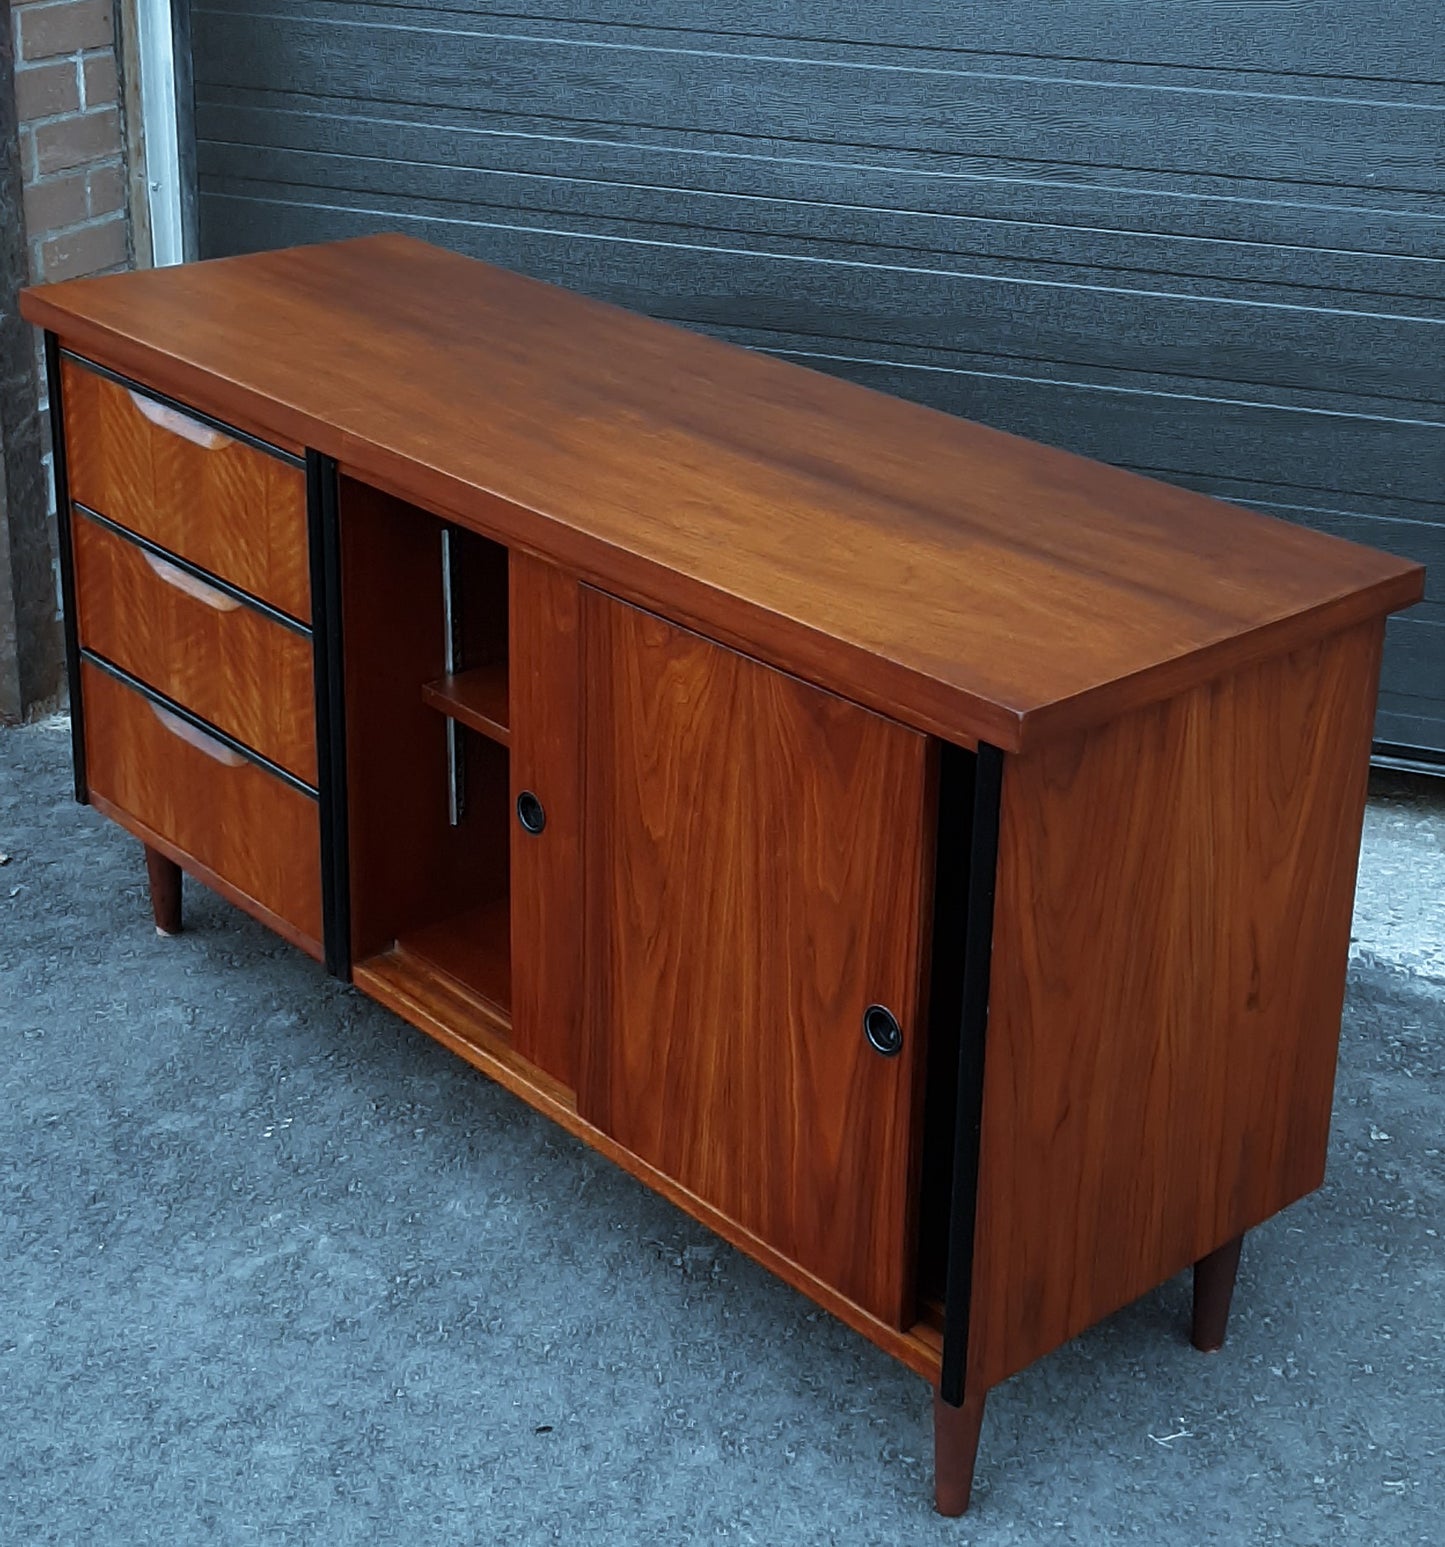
x: 884, y: 1033
x: 530, y: 812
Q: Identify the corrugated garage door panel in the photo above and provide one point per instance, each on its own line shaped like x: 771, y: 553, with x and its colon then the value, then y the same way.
x: 1203, y: 241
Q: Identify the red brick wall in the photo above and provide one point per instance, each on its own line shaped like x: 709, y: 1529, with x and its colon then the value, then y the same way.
x: 71, y: 138
x: 63, y: 196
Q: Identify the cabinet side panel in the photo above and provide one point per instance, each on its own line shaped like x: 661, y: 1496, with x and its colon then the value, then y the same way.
x: 544, y: 668
x: 1170, y: 944
x: 755, y: 880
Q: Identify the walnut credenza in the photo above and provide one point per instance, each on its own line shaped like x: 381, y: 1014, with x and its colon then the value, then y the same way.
x: 923, y: 856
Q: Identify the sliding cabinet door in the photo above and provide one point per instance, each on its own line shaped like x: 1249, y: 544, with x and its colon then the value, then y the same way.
x: 754, y: 857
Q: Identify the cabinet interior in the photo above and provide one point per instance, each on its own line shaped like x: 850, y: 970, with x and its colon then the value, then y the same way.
x: 424, y: 609
x: 430, y: 814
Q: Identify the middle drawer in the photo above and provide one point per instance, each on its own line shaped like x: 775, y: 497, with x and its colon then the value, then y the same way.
x: 223, y: 658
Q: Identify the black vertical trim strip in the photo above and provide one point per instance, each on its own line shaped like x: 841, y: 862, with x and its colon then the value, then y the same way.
x: 952, y: 841
x: 978, y: 949
x: 324, y: 537
x: 67, y: 565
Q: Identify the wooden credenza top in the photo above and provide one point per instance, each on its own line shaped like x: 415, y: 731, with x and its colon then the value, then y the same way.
x: 965, y: 581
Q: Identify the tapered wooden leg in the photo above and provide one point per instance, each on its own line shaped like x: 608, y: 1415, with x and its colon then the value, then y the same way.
x: 165, y: 880
x: 1213, y: 1290
x: 955, y: 1448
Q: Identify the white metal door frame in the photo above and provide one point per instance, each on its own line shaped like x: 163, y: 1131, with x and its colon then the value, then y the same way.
x: 155, y: 36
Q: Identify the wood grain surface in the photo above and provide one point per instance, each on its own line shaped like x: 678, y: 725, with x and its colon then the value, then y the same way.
x: 231, y: 817
x: 546, y: 697
x: 962, y: 580
x: 1110, y: 254
x: 453, y: 1012
x: 409, y: 867
x: 472, y: 948
x: 227, y: 507
x: 471, y: 1028
x: 163, y: 875
x: 755, y: 857
x: 1171, y: 933
x: 208, y: 877
x: 242, y: 671
x: 476, y: 697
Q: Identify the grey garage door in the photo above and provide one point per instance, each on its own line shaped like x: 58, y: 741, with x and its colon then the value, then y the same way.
x: 1200, y: 238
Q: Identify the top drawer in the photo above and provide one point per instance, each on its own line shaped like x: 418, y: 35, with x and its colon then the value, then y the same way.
x: 214, y: 500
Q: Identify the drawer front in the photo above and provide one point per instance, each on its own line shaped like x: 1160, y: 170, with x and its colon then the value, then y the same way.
x: 222, y: 659
x: 218, y: 502
x: 251, y: 828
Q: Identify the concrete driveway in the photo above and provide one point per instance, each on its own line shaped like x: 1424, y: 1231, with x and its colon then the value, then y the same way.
x: 275, y: 1268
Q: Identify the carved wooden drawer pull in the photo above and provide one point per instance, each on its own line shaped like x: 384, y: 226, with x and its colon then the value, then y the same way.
x: 189, y: 584
x: 197, y: 738
x: 177, y: 423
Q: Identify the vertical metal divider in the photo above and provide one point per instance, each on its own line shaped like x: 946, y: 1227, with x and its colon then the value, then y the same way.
x: 67, y: 565
x: 978, y: 948
x: 452, y: 663
x: 324, y: 542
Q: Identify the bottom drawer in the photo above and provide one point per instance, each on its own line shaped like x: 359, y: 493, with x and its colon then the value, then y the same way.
x: 254, y: 834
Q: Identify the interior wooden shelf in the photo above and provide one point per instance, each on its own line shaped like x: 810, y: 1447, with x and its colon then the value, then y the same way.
x: 476, y: 698
x: 447, y: 1010
x: 439, y: 1005
x: 930, y: 1314
x: 473, y: 949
